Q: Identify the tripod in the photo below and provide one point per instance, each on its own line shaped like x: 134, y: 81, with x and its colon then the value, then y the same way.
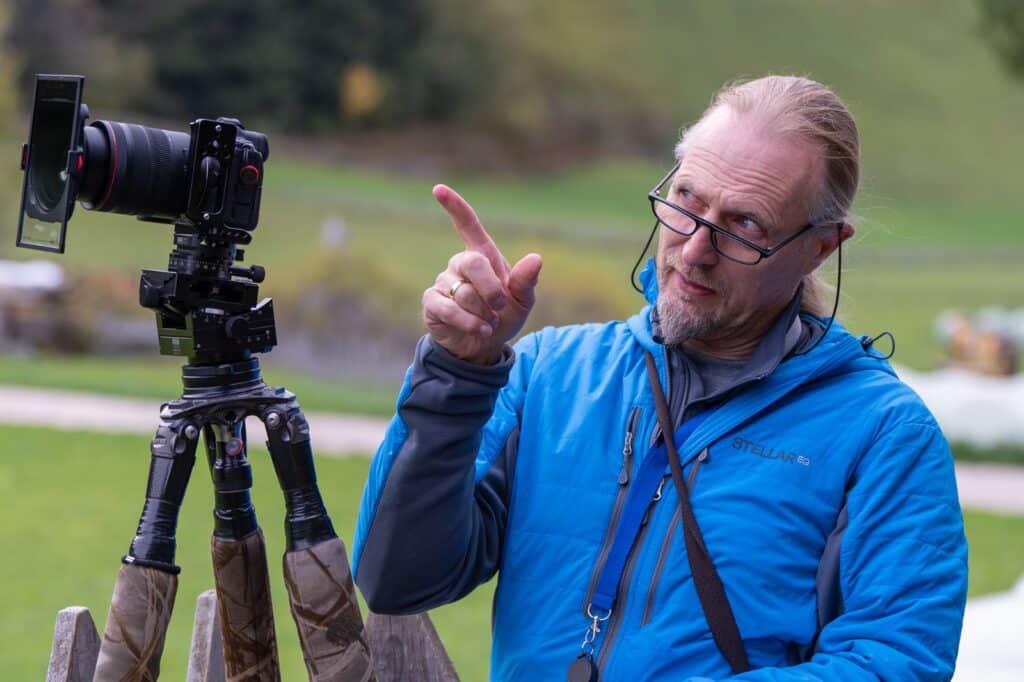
x: 206, y: 309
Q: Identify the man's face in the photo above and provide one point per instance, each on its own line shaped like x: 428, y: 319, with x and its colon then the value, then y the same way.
x: 760, y: 187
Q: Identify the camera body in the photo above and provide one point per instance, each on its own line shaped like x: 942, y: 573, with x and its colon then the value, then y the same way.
x: 207, y: 183
x: 211, y: 176
x: 226, y: 176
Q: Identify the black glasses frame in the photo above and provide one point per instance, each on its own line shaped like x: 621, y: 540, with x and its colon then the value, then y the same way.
x: 763, y: 252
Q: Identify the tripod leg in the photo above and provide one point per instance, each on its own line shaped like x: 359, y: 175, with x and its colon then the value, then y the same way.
x: 133, y: 638
x: 316, y: 570
x: 240, y: 561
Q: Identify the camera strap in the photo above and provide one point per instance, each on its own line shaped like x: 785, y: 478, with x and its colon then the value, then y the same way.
x: 646, y: 489
x: 710, y: 590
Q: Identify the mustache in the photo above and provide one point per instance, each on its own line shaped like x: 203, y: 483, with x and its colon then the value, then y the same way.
x: 693, y: 274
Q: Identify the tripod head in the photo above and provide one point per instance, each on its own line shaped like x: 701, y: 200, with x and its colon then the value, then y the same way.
x: 206, y: 306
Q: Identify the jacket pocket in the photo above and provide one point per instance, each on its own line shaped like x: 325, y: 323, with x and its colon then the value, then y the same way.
x: 670, y: 535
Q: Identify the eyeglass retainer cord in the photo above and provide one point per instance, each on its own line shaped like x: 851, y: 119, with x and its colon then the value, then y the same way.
x: 866, y: 342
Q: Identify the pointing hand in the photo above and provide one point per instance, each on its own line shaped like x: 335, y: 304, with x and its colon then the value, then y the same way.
x: 479, y: 303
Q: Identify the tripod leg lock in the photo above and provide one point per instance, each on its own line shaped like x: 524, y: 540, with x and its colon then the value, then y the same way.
x: 129, y: 560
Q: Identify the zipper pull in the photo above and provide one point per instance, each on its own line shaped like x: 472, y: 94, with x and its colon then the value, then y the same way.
x: 627, y: 447
x: 627, y: 459
x: 657, y: 493
x: 654, y: 500
x: 701, y: 458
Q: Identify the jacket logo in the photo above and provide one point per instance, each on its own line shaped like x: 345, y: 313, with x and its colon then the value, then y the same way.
x: 778, y: 454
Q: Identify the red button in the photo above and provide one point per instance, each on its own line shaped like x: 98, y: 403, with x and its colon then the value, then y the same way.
x: 250, y: 174
x: 234, y: 447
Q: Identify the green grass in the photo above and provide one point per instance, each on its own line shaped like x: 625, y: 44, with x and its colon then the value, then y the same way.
x: 912, y: 72
x: 897, y: 277
x: 996, y: 551
x: 1001, y: 454
x: 159, y: 379
x: 71, y: 501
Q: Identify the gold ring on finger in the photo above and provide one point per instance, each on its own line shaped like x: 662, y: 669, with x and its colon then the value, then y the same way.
x: 455, y: 287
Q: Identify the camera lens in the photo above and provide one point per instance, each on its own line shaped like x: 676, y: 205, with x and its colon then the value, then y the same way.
x: 135, y: 170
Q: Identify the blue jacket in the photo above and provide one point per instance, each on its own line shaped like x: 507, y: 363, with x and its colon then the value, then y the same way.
x: 826, y: 487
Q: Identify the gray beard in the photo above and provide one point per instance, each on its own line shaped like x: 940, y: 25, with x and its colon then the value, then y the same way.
x: 677, y: 325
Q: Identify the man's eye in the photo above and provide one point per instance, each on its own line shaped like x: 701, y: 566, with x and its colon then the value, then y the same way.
x: 685, y: 196
x: 747, y: 225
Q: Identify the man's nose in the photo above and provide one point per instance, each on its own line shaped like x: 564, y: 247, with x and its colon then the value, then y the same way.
x: 698, y: 249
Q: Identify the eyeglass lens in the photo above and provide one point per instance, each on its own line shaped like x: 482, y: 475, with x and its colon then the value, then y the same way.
x: 722, y: 243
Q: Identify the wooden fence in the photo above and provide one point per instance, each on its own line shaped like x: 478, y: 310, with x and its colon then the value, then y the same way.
x: 405, y: 648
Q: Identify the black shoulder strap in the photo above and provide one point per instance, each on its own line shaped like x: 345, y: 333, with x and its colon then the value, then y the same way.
x: 710, y: 590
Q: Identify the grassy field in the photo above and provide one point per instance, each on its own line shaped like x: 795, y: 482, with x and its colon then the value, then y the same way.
x: 896, y: 277
x: 77, y: 497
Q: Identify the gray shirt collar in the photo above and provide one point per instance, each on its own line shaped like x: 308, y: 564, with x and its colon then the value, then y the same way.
x: 696, y: 379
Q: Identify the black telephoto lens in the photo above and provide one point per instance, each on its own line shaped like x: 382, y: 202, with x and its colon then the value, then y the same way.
x: 135, y: 170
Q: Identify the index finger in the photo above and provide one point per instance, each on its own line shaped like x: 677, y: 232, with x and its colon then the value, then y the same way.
x: 473, y: 234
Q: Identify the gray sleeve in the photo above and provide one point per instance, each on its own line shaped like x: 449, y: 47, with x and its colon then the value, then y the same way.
x: 437, y: 532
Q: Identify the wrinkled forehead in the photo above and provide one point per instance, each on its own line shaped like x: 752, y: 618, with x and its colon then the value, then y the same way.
x: 727, y: 145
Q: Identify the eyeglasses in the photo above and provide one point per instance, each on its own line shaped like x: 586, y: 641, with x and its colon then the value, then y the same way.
x: 726, y: 244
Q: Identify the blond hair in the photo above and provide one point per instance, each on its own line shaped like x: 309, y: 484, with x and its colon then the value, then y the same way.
x: 813, y: 113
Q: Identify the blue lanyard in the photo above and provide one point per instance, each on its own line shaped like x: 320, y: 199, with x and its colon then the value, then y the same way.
x: 652, y: 470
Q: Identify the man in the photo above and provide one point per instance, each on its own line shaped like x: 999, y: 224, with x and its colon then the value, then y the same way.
x: 821, y: 489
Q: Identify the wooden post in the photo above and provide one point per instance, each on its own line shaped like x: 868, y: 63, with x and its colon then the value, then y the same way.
x: 206, y: 655
x: 76, y: 645
x: 408, y: 648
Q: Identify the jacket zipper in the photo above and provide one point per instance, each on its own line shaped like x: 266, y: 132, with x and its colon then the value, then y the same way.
x: 620, y: 502
x: 669, y: 536
x: 615, y: 622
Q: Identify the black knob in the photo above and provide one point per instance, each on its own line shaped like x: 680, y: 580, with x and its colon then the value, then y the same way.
x: 237, y: 327
x: 256, y: 273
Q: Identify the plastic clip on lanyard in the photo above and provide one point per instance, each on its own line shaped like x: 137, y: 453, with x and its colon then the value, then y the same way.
x: 653, y: 470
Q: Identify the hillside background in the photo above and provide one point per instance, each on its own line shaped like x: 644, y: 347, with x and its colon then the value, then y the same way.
x: 554, y: 119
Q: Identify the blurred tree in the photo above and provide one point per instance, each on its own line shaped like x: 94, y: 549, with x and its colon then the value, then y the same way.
x: 48, y: 36
x: 69, y: 36
x: 309, y: 65
x: 290, y: 60
x: 1002, y: 23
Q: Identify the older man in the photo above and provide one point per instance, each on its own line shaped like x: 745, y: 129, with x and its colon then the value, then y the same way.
x: 801, y: 522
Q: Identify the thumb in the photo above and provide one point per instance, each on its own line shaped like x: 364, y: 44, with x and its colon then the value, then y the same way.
x: 523, y: 278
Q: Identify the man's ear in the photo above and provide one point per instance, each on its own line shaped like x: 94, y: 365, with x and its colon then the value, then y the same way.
x: 826, y: 241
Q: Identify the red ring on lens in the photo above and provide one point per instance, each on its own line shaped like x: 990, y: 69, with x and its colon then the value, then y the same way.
x: 113, y: 169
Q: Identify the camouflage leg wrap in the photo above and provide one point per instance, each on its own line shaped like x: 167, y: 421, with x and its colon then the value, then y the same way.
x: 133, y: 638
x: 246, y: 614
x: 323, y: 603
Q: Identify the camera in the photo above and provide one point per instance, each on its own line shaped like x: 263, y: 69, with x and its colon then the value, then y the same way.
x: 206, y: 182
x: 211, y: 176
